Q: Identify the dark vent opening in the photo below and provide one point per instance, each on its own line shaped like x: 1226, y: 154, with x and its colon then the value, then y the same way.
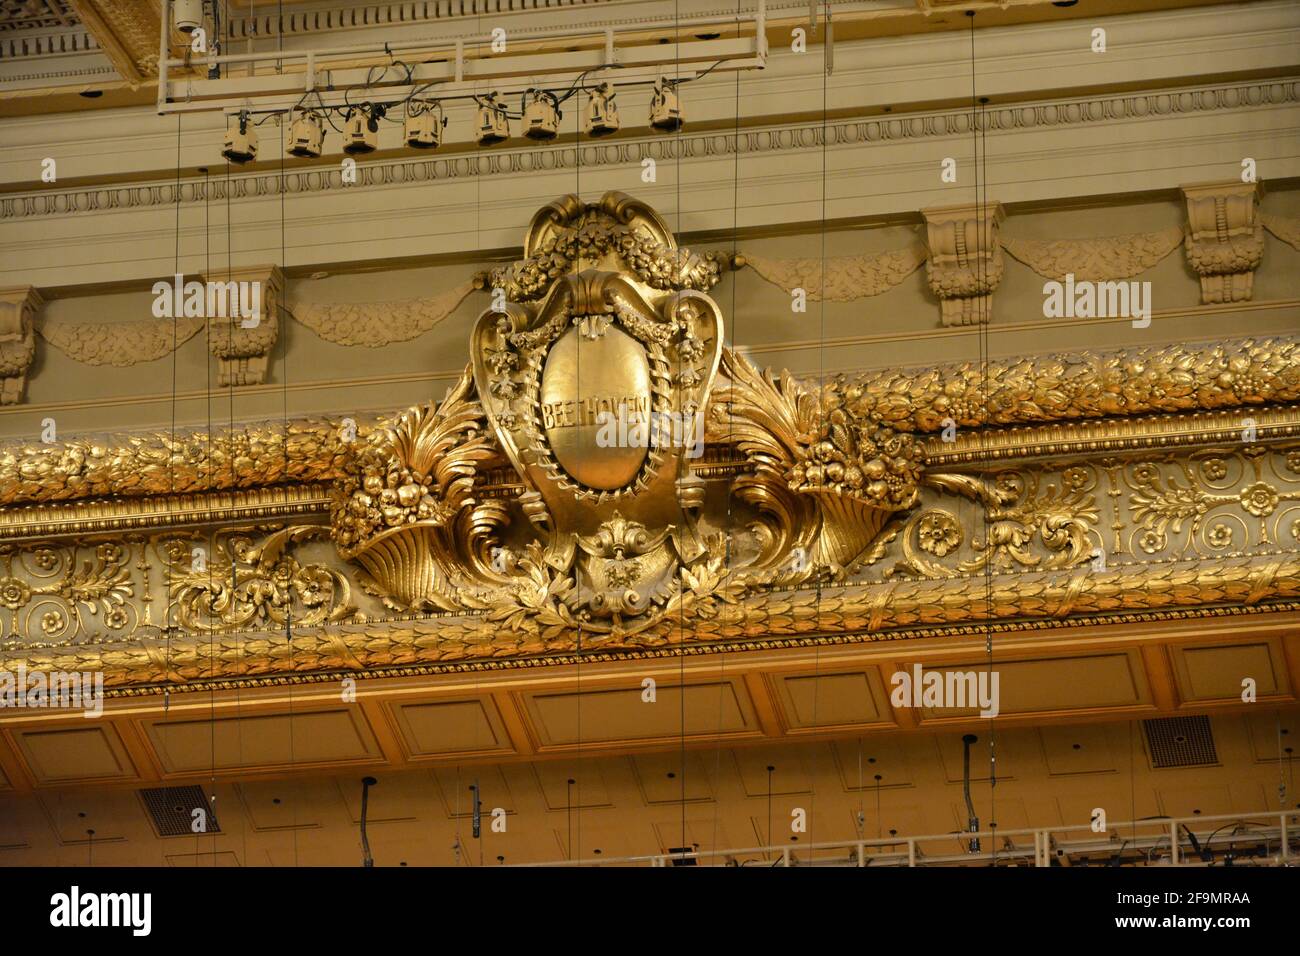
x: 1180, y: 742
x: 172, y: 810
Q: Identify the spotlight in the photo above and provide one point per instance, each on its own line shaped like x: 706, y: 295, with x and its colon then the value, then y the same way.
x: 541, y: 115
x: 361, y: 134
x: 241, y: 140
x: 665, y: 107
x: 493, y: 121
x: 423, y: 126
x: 602, y: 114
x: 187, y: 15
x: 307, y: 135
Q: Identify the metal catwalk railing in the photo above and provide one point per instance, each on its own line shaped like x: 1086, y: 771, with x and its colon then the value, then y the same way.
x: 1163, y: 841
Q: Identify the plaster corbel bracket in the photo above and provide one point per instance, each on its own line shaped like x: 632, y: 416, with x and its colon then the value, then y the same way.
x: 19, y: 306
x: 241, y: 341
x: 1225, y: 238
x: 965, y: 263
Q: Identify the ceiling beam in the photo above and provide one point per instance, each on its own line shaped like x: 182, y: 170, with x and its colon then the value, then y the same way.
x: 127, y: 30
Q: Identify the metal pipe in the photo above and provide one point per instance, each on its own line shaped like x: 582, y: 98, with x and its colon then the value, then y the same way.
x: 440, y: 45
x: 163, y: 55
x: 972, y: 821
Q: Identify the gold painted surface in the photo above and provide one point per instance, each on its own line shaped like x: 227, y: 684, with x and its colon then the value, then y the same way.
x: 501, y: 524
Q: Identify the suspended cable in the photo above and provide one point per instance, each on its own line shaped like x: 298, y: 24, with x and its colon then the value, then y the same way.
x: 735, y: 321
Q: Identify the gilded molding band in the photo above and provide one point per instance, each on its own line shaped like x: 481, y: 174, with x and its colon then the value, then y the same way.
x: 1036, y: 390
x: 869, y: 612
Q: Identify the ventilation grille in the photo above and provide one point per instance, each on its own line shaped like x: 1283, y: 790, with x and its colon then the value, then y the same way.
x: 172, y: 810
x: 1180, y: 742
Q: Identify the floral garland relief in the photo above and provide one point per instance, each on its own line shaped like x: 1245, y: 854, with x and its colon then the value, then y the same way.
x: 1113, y: 257
x: 845, y: 278
x: 120, y: 344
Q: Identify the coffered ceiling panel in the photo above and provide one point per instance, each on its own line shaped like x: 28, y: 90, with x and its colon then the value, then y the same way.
x: 20, y: 820
x: 1080, y: 749
x: 288, y: 804
x: 1274, y: 735
x: 860, y: 760
x: 305, y: 738
x: 1208, y: 800
x: 85, y: 754
x: 834, y: 700
x: 1013, y: 752
x: 394, y: 798
x: 1216, y: 672
x: 609, y: 715
x: 1043, y: 686
x: 603, y: 831
x: 668, y: 778
x: 117, y: 816
x: 453, y: 786
x: 589, y: 788
x: 451, y: 727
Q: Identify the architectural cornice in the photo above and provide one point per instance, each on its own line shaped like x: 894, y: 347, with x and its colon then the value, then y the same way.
x: 794, y: 138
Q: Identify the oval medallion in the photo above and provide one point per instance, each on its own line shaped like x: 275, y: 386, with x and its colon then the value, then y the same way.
x: 595, y: 399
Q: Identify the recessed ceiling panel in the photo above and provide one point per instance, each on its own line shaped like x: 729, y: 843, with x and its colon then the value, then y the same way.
x: 278, y: 740
x: 460, y: 726
x: 624, y: 714
x: 70, y: 755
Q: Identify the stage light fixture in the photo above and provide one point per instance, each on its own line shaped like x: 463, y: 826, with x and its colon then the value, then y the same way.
x: 424, y: 124
x: 602, y: 114
x: 665, y: 107
x: 187, y: 15
x: 240, y: 145
x: 493, y: 121
x: 307, y: 135
x: 361, y: 132
x: 541, y: 115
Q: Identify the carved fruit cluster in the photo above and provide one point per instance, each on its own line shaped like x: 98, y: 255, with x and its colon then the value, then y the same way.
x: 861, y: 460
x: 382, y: 493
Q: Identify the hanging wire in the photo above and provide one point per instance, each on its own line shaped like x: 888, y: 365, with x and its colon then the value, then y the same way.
x: 681, y: 570
x: 734, y: 316
x: 212, y: 636
x: 982, y: 319
x: 281, y: 319
x: 821, y: 391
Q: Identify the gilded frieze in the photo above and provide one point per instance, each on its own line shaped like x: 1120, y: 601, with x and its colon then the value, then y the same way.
x: 560, y: 497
